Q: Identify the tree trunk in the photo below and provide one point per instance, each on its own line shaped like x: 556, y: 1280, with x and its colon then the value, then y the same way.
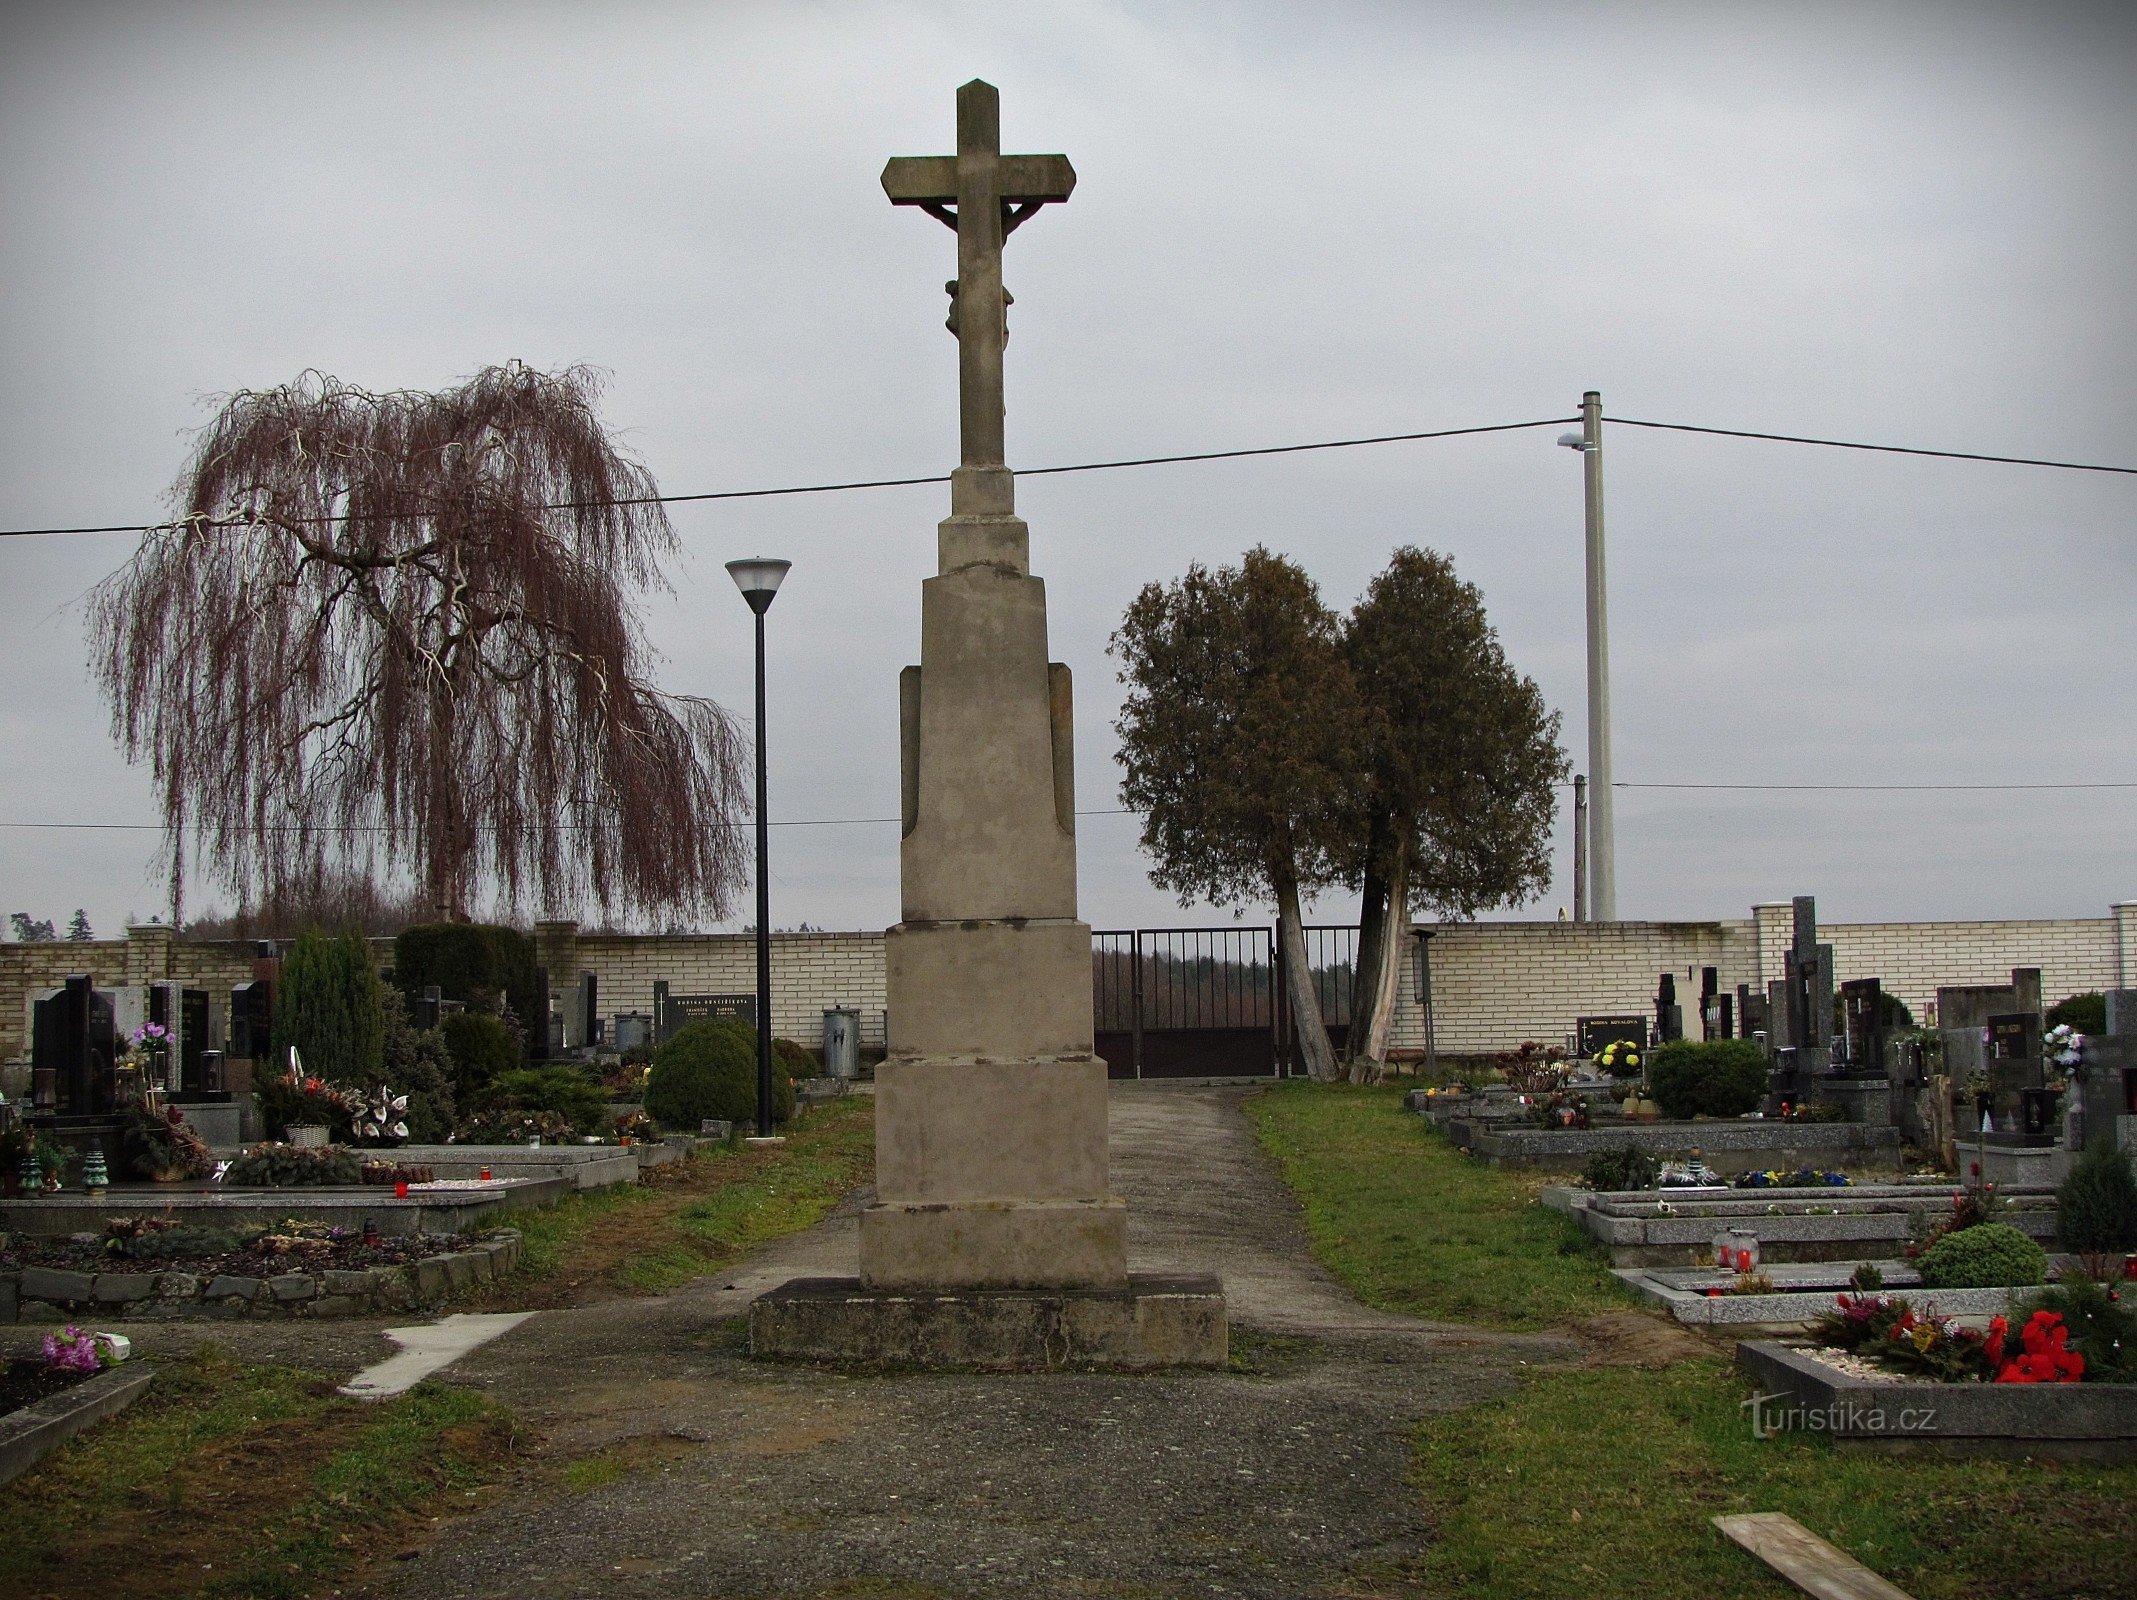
x: 1372, y: 933
x: 447, y: 844
x: 1382, y: 981
x: 1306, y: 1019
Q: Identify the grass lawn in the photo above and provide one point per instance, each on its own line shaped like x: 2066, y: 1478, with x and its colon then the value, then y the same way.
x: 689, y: 1217
x: 1601, y: 1479
x: 233, y: 1480
x: 1413, y: 1225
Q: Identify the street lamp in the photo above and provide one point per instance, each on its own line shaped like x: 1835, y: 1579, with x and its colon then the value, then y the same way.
x: 759, y: 581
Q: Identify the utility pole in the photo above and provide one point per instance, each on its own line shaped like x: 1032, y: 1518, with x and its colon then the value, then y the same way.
x: 1602, y: 840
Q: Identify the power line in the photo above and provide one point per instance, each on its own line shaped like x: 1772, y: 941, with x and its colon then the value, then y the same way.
x: 1878, y: 788
x: 1213, y: 455
x: 1122, y: 811
x: 902, y: 483
x: 376, y: 827
x: 1884, y: 449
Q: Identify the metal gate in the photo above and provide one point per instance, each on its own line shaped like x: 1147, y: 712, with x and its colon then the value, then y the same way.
x: 1208, y: 1002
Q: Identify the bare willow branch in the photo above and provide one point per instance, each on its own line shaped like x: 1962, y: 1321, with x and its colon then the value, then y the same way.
x: 390, y: 633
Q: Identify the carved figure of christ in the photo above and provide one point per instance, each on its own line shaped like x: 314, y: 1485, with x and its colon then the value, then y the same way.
x: 984, y: 195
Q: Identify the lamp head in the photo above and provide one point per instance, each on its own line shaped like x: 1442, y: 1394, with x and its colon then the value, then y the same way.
x: 758, y: 580
x: 1573, y: 441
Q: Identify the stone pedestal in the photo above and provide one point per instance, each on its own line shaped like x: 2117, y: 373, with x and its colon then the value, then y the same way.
x: 991, y: 1169
x: 995, y: 1240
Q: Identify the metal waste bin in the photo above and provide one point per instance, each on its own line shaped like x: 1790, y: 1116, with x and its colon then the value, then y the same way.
x: 842, y: 1042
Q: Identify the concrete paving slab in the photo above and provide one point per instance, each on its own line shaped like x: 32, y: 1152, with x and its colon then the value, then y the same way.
x: 429, y: 1348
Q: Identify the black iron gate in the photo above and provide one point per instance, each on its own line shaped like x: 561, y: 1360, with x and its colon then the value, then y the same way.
x: 1208, y: 1002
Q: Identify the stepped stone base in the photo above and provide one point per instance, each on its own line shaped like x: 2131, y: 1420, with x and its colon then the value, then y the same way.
x: 1154, y: 1321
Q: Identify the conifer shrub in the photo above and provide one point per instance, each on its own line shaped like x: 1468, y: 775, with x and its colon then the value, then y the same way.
x: 417, y: 1064
x: 709, y: 1069
x: 330, y: 1005
x: 479, y: 964
x: 2102, y: 1328
x: 1627, y: 1167
x: 1710, y: 1078
x: 2096, y: 1209
x: 571, y: 1094
x: 482, y: 1050
x: 1990, y: 1255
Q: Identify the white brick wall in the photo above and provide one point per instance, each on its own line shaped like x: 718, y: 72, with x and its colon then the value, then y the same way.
x: 1494, y: 984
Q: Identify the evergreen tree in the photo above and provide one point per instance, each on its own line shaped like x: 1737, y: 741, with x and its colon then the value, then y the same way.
x: 331, y: 1006
x: 1235, y: 740
x: 78, y: 929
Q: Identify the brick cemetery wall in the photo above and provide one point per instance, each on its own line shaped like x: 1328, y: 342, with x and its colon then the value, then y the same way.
x: 1494, y: 983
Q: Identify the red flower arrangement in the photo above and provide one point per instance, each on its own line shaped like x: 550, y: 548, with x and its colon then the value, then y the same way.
x: 2045, y: 1359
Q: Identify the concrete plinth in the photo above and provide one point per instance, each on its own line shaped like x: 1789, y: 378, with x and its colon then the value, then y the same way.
x: 996, y: 1244
x: 1151, y: 1321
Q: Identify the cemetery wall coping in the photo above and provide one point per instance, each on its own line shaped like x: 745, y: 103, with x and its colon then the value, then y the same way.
x: 41, y: 1294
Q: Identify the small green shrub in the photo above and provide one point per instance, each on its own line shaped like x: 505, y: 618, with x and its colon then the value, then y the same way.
x: 709, y: 1069
x: 287, y: 1165
x: 417, y: 1064
x: 794, y: 1061
x: 505, y: 1125
x: 2096, y: 1208
x: 573, y: 1095
x: 2102, y: 1329
x: 1714, y: 1078
x: 2086, y: 1013
x: 1628, y: 1167
x: 483, y: 1050
x: 1990, y: 1255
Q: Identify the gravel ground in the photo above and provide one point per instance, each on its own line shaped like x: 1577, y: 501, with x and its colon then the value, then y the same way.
x: 715, y: 1476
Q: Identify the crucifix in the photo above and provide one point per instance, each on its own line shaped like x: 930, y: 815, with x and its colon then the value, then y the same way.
x: 984, y: 195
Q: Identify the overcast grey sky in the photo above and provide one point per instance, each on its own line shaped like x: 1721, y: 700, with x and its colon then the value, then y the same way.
x: 1900, y: 222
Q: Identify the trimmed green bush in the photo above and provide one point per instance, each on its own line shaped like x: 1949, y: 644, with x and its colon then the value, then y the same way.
x: 479, y: 964
x: 1989, y: 1255
x: 2086, y: 1013
x: 1714, y: 1078
x: 709, y: 1069
x: 1627, y: 1167
x: 282, y: 1166
x: 2096, y: 1208
x: 570, y: 1093
x: 483, y: 1050
x: 794, y: 1061
x: 330, y: 1004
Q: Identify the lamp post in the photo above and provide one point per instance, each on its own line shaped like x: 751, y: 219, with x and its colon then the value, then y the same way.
x: 759, y: 581
x: 1602, y: 833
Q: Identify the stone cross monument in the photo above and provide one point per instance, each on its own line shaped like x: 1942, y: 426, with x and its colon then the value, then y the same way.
x: 995, y: 1238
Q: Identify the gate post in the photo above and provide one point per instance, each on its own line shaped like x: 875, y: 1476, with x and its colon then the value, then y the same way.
x: 1279, y: 1005
x: 1135, y: 999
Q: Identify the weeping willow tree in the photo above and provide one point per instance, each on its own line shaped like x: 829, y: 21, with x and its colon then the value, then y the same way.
x: 391, y: 634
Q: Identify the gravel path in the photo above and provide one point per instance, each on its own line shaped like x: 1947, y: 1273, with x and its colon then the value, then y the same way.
x: 720, y: 1477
